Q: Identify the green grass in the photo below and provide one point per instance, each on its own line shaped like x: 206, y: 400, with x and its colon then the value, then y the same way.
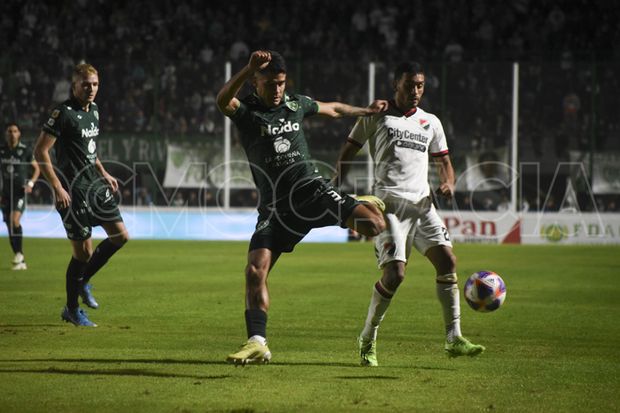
x: 172, y: 311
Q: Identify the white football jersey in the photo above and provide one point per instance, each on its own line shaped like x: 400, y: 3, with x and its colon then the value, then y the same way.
x: 400, y: 146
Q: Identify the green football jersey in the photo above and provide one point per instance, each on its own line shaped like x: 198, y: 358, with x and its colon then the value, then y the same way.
x: 15, y: 166
x: 76, y: 132
x: 274, y: 142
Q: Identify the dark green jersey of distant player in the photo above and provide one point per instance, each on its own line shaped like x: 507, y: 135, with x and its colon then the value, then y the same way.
x: 274, y: 142
x: 76, y: 132
x: 16, y: 166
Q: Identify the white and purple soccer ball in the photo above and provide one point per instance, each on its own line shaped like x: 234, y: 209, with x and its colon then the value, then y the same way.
x: 485, y: 291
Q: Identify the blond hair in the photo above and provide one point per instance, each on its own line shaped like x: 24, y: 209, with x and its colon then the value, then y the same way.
x: 82, y: 70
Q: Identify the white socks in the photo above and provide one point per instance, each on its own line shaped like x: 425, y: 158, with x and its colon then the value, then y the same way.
x: 260, y: 339
x: 379, y: 303
x: 448, y: 295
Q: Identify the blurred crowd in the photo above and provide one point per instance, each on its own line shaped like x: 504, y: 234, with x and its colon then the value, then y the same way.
x: 161, y: 63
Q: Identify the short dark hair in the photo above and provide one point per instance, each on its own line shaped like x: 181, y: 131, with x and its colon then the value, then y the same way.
x: 407, y: 67
x: 9, y: 124
x: 277, y: 64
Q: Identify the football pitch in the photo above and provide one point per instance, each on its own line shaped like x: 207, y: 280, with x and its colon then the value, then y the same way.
x: 171, y: 311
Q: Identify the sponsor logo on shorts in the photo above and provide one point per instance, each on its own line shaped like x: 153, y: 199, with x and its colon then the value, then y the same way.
x: 262, y: 225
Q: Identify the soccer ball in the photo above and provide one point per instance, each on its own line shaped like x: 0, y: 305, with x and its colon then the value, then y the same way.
x: 485, y: 291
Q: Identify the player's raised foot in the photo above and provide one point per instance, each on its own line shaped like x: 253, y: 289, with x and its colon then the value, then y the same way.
x: 19, y: 266
x: 368, y: 352
x: 462, y: 347
x: 371, y: 199
x: 76, y: 316
x: 251, y: 352
x: 18, y: 258
x: 87, y: 296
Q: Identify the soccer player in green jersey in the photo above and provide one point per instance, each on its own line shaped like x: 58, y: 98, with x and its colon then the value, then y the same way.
x: 15, y: 160
x: 83, y: 189
x: 294, y: 198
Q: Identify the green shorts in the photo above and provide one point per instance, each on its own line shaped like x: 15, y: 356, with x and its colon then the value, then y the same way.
x: 323, y: 206
x: 11, y: 202
x: 89, y: 208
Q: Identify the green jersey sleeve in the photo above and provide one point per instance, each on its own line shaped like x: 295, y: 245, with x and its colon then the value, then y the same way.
x: 309, y: 105
x: 240, y: 113
x: 55, y: 123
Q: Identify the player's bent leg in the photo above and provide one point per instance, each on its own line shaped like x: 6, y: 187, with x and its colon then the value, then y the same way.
x: 260, y: 262
x: 117, y: 237
x: 82, y: 249
x: 82, y: 252
x: 382, y: 293
x: 255, y: 350
x: 367, y: 219
x: 442, y: 258
x: 117, y: 232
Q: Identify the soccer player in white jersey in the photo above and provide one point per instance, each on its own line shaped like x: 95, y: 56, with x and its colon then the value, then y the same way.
x: 400, y: 141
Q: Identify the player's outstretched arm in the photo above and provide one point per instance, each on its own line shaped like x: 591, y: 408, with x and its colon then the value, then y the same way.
x: 339, y: 110
x: 446, y: 176
x: 226, y: 101
x: 42, y: 156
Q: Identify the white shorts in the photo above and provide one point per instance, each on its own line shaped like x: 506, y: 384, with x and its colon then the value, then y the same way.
x: 408, y: 225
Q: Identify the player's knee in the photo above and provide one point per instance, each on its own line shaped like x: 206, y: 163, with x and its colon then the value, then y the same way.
x: 255, y: 275
x: 83, y: 253
x: 120, y: 239
x: 395, y: 275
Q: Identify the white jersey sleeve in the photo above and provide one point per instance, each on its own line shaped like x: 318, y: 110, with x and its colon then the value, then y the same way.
x: 439, y: 144
x: 364, y: 128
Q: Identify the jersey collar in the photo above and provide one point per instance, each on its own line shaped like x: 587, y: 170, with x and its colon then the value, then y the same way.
x: 406, y: 114
x: 410, y: 112
x: 76, y: 105
x: 287, y: 102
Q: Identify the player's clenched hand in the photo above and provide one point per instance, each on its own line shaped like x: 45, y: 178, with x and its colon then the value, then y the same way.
x: 446, y: 190
x: 111, y: 181
x: 379, y: 106
x: 259, y: 60
x: 63, y: 199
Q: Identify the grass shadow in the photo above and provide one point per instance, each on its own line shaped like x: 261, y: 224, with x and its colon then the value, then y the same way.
x: 32, y: 325
x: 210, y: 362
x: 114, y: 372
x: 113, y: 361
x: 373, y: 377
